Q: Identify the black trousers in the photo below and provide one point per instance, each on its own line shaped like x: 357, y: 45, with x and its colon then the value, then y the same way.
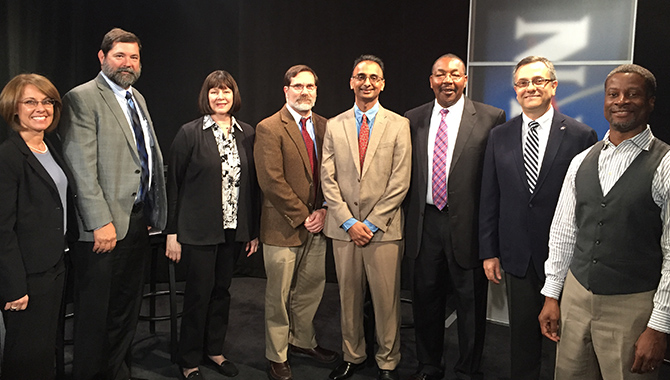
x: 435, y: 271
x: 30, y: 342
x: 524, y: 305
x: 206, y: 299
x: 107, y: 298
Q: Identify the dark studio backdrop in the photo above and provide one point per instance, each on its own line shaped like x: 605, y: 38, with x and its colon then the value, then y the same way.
x: 256, y: 41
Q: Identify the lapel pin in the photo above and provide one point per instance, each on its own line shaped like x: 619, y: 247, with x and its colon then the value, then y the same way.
x: 562, y: 127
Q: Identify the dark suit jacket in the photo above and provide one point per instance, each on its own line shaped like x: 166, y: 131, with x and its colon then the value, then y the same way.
x: 286, y: 179
x: 465, y: 175
x: 99, y: 145
x: 194, y: 186
x: 31, y: 216
x: 514, y: 225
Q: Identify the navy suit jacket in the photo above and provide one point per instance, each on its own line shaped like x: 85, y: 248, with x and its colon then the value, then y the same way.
x: 513, y: 223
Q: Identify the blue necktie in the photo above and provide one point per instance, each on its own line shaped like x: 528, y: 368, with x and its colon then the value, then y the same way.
x: 141, y: 147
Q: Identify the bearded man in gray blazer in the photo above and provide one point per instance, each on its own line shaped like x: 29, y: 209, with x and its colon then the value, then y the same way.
x: 110, y: 144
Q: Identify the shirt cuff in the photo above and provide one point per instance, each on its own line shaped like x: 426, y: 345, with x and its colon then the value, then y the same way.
x: 659, y: 321
x: 348, y: 223
x: 371, y: 226
x: 552, y: 289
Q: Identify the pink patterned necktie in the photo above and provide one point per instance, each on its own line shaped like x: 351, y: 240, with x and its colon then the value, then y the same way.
x: 440, y: 163
x: 363, y: 137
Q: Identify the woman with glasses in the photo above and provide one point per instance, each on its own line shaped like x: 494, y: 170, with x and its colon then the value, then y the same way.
x: 213, y: 213
x: 36, y: 215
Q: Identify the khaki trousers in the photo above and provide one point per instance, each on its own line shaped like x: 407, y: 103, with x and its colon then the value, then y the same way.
x: 379, y: 264
x: 296, y: 277
x: 598, y: 333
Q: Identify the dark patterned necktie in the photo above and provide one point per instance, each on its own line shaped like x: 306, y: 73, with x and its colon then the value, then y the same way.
x: 141, y: 147
x: 531, y: 154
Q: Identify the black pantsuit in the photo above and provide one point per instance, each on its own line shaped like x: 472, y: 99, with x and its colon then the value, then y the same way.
x: 430, y: 289
x: 30, y: 342
x: 206, y: 299
x: 108, y: 302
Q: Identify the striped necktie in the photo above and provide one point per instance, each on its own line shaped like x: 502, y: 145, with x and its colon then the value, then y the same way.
x: 531, y: 154
x: 440, y: 163
x: 141, y: 147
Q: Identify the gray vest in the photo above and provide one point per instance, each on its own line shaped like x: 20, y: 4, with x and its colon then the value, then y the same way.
x: 618, y: 249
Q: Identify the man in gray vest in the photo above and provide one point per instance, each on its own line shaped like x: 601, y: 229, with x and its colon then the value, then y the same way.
x: 609, y: 248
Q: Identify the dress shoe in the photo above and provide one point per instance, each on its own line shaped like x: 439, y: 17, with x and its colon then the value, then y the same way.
x: 195, y: 375
x: 388, y: 374
x: 345, y: 370
x: 424, y: 376
x: 279, y: 371
x: 226, y: 368
x: 317, y: 353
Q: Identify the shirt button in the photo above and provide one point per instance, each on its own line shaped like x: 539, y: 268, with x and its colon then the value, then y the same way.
x: 597, y: 242
x: 600, y: 223
x: 603, y: 204
x: 137, y: 172
x: 595, y: 261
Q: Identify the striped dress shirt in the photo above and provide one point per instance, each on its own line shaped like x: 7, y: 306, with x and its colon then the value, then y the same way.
x: 612, y: 163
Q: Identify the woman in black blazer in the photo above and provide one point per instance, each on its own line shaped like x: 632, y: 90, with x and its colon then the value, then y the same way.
x: 36, y: 214
x: 213, y: 212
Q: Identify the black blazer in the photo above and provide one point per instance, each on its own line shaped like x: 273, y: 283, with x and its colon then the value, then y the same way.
x: 31, y: 216
x: 514, y: 225
x: 465, y: 175
x: 194, y: 186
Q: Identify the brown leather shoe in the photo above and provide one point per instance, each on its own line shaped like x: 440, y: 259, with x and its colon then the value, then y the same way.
x: 317, y: 353
x: 279, y: 371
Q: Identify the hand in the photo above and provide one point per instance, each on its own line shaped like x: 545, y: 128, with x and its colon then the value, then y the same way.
x: 492, y: 269
x: 360, y: 234
x: 314, y: 222
x: 172, y: 248
x: 549, y: 317
x: 649, y: 351
x: 104, y: 238
x: 18, y: 305
x: 251, y: 247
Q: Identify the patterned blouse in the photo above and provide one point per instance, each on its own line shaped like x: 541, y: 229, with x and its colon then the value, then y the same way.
x: 230, y: 169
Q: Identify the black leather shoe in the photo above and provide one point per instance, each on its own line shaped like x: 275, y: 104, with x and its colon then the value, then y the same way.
x: 388, y: 374
x: 228, y: 368
x: 424, y: 376
x: 317, y: 353
x: 345, y: 370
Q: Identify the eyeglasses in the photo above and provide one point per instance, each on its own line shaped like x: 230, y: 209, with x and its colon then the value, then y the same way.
x: 300, y: 87
x: 32, y: 103
x: 374, y: 79
x: 454, y: 76
x: 537, y: 82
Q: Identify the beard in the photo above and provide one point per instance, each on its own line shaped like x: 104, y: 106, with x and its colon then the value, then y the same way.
x: 303, y: 103
x: 624, y: 127
x: 123, y: 76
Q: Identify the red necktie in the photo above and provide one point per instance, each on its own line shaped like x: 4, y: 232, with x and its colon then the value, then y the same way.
x: 440, y: 163
x: 363, y: 138
x: 309, y: 144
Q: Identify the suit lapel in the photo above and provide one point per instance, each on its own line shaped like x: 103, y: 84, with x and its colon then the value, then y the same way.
x: 376, y: 134
x: 468, y: 121
x: 517, y: 152
x: 293, y: 132
x: 422, y: 131
x: 351, y: 132
x: 35, y: 164
x: 556, y: 134
x: 110, y: 99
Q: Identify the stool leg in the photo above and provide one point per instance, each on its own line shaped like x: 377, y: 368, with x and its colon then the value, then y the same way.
x: 173, y: 312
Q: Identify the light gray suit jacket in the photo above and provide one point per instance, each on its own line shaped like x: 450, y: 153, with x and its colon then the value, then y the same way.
x: 376, y: 192
x: 99, y: 146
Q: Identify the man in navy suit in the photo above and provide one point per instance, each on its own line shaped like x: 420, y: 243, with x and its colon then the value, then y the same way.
x: 449, y: 136
x: 519, y: 194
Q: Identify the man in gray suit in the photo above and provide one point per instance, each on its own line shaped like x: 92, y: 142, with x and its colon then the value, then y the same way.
x: 110, y: 144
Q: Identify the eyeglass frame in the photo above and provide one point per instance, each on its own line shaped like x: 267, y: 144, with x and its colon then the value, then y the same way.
x: 543, y: 84
x: 299, y: 87
x: 32, y: 103
x: 374, y: 79
x: 441, y: 75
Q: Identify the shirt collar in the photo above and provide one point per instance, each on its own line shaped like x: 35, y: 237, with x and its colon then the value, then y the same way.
x: 296, y: 116
x: 371, y: 113
x: 642, y: 140
x: 544, y: 120
x: 208, y: 122
x: 454, y: 109
x: 118, y: 90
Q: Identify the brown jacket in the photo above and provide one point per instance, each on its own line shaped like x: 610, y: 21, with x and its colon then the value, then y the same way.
x: 285, y: 178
